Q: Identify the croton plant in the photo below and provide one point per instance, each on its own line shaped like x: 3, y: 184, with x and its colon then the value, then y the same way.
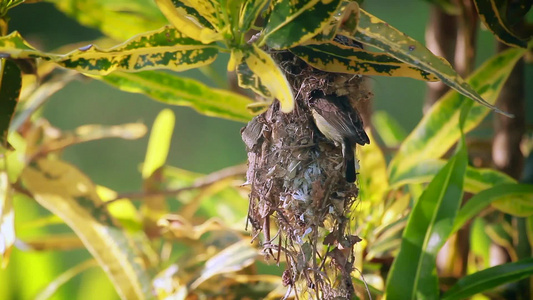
x: 383, y: 243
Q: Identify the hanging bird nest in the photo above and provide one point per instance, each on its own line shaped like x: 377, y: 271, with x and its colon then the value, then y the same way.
x: 299, y: 197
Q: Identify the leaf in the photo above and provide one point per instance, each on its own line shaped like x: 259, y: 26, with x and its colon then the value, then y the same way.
x: 264, y: 67
x: 337, y: 58
x: 248, y: 80
x: 51, y: 288
x: 476, y: 179
x: 413, y: 272
x: 292, y: 22
x: 506, y: 194
x: 202, y: 9
x: 373, y: 176
x: 438, y: 130
x: 389, y: 130
x: 490, y: 13
x: 118, y: 19
x: 91, y: 132
x: 489, y: 278
x: 68, y: 193
x: 249, y: 13
x: 159, y: 142
x: 182, y: 17
x: 165, y: 48
x: 233, y: 258
x: 10, y: 85
x: 7, y: 218
x: 155, y: 206
x: 176, y: 90
x: 374, y: 32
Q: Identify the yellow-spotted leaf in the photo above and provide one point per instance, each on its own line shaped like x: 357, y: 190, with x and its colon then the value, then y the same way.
x: 264, y: 67
x: 249, y: 13
x: 118, y: 19
x: 188, y: 20
x: 338, y: 58
x: 293, y: 22
x: 202, y: 9
x: 69, y: 194
x: 492, y: 13
x: 182, y: 91
x: 248, y: 80
x: 439, y: 129
x: 377, y: 33
x: 165, y: 48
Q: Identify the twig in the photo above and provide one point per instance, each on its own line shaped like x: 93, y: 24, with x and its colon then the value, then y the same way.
x: 233, y: 171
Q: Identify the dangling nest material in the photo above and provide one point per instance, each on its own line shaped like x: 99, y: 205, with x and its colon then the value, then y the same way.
x: 297, y: 181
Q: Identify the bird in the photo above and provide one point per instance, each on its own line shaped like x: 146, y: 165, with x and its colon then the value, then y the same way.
x: 340, y: 123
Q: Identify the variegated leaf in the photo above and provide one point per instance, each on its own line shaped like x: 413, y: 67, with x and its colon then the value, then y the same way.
x: 248, y: 80
x: 293, y: 22
x: 377, y: 33
x: 249, y: 13
x: 118, y: 19
x: 491, y: 13
x: 176, y: 90
x: 438, y: 130
x: 166, y: 48
x: 188, y: 20
x: 202, y: 10
x: 264, y: 67
x: 335, y: 57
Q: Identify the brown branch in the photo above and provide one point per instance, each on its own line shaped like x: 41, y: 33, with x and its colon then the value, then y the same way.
x: 233, y: 171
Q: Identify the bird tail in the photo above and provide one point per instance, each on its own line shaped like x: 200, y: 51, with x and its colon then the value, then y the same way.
x: 349, y: 161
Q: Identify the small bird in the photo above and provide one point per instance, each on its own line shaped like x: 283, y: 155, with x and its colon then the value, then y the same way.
x: 339, y: 122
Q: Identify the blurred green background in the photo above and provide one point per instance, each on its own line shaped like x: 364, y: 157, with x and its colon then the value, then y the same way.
x: 199, y: 143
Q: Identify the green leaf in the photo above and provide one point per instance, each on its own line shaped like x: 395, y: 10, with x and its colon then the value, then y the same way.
x: 476, y: 179
x: 293, y: 22
x: 506, y: 194
x: 413, y: 273
x: 374, y: 32
x: 165, y: 48
x: 249, y: 13
x: 490, y: 278
x: 389, y: 130
x: 479, y: 245
x: 490, y: 13
x: 10, y: 85
x: 176, y: 90
x: 53, y: 286
x: 159, y: 142
x: 264, y: 67
x: 68, y: 193
x: 337, y: 58
x: 118, y: 19
x: 438, y: 130
x: 183, y: 17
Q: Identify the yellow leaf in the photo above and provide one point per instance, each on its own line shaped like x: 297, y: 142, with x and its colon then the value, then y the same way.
x: 271, y: 76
